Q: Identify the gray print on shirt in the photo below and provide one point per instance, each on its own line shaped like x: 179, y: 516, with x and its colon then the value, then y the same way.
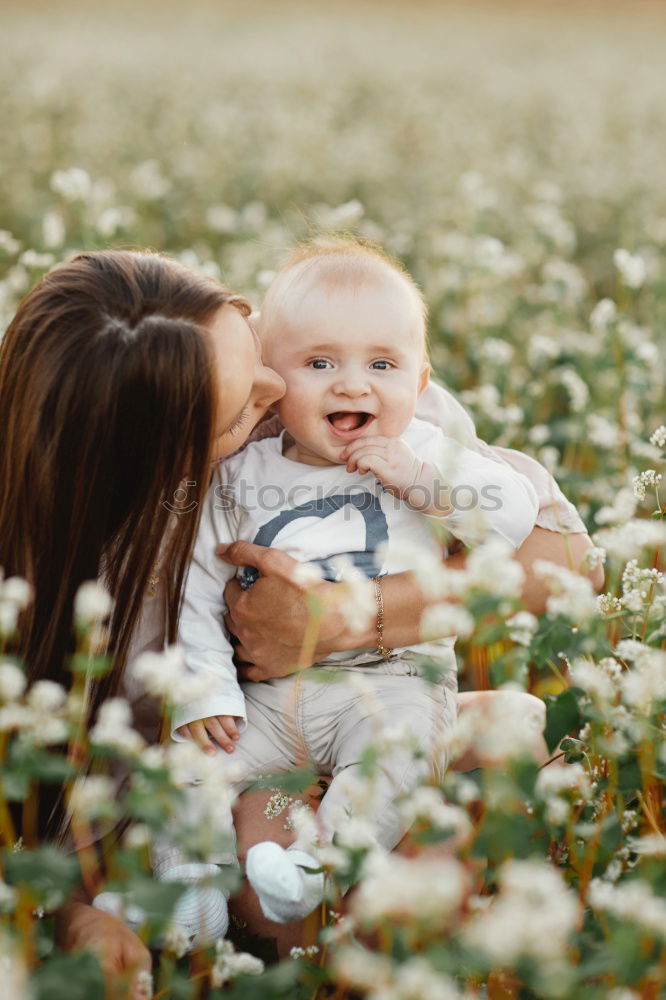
x: 376, y: 532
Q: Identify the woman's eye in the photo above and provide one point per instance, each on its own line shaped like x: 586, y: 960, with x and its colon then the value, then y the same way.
x: 320, y: 364
x: 238, y: 422
x: 381, y: 366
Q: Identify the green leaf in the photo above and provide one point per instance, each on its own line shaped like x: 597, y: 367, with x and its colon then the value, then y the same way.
x: 48, y: 873
x: 562, y: 715
x: 90, y: 666
x: 69, y: 977
x: 504, y: 835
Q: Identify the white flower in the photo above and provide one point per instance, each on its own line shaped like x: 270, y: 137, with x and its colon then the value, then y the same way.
x: 496, y: 351
x: 230, y: 963
x: 342, y: 217
x: 623, y: 508
x: 539, y: 434
x: 652, y: 844
x: 308, y: 952
x: 508, y: 725
x: 307, y: 574
x: 114, y: 218
x: 571, y: 595
x: 302, y: 821
x: 627, y: 540
x: 602, y: 431
x: 165, y: 675
x: 17, y: 591
x: 221, y: 219
x: 143, y: 985
x: 355, y: 832
x: 646, y: 683
x: 360, y: 968
x: 8, y: 896
x: 9, y: 615
x: 53, y: 229
x: 658, y: 438
x: 253, y: 217
x: 148, y: 181
x: 427, y: 803
x: 73, y: 184
x: 358, y: 602
x: 631, y: 268
x: 416, y: 978
x: 446, y: 619
x: 532, y: 917
x: 415, y: 890
x: 557, y: 780
x: 491, y: 568
x: 8, y: 243
x: 12, y: 682
x: 632, y: 901
x: 522, y: 627
x: 177, y: 940
x: 138, y: 836
x: 92, y: 603
x: 644, y: 480
x: 39, y: 261
x: 92, y: 796
x: 578, y: 390
x: 603, y: 314
x: 113, y: 727
x: 590, y: 678
x: 46, y: 696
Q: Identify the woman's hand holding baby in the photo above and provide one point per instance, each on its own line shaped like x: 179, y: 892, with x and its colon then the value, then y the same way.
x: 400, y: 472
x: 271, y: 619
x: 222, y: 728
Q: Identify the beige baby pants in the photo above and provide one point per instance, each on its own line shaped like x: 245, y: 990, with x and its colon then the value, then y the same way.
x: 324, y: 718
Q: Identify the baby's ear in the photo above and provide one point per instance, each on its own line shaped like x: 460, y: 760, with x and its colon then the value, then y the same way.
x: 424, y: 377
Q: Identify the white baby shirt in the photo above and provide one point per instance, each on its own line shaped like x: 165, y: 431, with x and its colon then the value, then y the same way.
x: 315, y: 513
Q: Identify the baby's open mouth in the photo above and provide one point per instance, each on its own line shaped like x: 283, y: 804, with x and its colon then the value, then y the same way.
x: 349, y: 424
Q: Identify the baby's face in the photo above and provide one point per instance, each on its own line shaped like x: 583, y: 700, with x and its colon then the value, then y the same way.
x: 353, y: 363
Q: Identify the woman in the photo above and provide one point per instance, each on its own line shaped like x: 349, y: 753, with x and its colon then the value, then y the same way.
x: 121, y: 375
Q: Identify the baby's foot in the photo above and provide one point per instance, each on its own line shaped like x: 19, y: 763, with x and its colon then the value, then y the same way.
x: 202, y: 909
x: 285, y: 891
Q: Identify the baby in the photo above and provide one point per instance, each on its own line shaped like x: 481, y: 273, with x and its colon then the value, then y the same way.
x: 354, y: 476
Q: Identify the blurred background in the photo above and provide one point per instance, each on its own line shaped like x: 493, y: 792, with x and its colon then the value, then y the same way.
x: 504, y: 151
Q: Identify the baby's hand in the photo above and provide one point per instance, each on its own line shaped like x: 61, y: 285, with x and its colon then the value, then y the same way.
x: 391, y: 460
x: 222, y: 728
x: 400, y: 472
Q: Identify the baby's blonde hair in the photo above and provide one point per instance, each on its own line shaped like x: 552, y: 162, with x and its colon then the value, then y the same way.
x: 341, y: 259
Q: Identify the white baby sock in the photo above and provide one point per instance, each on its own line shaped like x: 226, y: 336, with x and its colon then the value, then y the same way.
x: 285, y: 891
x: 202, y: 909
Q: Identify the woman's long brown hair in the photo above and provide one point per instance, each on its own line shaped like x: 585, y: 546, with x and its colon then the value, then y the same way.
x: 106, y: 401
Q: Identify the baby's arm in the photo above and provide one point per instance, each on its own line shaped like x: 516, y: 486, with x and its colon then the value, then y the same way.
x: 217, y: 703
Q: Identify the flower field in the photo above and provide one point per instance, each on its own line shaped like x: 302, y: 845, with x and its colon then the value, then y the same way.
x: 514, y: 161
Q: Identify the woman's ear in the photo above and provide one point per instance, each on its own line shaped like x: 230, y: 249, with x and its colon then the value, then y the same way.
x: 424, y: 377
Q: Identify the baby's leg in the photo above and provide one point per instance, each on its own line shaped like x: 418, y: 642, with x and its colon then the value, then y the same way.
x: 407, y: 717
x: 261, y: 749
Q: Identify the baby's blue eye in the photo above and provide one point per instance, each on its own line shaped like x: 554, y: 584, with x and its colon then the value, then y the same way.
x: 319, y: 364
x: 381, y: 366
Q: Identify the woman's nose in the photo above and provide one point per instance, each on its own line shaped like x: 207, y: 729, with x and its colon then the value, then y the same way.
x: 269, y: 386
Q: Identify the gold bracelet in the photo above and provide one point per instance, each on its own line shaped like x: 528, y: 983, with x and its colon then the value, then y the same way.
x: 383, y: 650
